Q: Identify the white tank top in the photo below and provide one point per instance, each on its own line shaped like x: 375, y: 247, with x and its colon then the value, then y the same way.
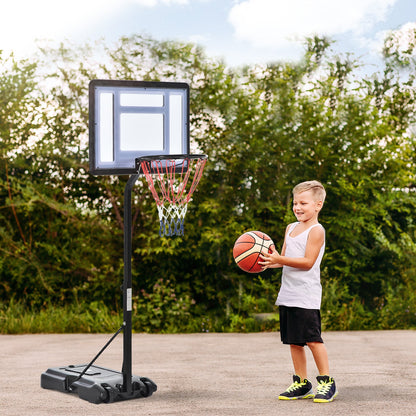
x: 301, y: 288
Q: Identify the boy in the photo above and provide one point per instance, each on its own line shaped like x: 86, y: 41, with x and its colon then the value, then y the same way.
x: 300, y: 294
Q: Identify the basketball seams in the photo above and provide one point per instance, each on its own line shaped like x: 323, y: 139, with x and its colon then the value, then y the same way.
x: 254, y: 250
x: 247, y: 253
x: 253, y: 244
x: 257, y: 238
x: 255, y: 262
x: 263, y: 246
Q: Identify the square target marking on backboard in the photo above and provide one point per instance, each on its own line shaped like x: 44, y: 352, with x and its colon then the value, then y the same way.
x: 132, y: 119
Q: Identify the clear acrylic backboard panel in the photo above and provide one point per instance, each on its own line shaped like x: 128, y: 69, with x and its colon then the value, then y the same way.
x: 132, y: 119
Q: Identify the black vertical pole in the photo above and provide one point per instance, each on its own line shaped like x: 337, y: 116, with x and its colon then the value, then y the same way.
x: 127, y: 288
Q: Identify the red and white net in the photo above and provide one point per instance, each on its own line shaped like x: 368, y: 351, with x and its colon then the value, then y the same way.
x: 172, y: 183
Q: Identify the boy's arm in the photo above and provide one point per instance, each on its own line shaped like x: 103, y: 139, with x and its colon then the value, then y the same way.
x: 315, y: 240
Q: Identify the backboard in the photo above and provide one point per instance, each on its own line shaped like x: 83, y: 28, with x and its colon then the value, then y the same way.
x: 132, y: 119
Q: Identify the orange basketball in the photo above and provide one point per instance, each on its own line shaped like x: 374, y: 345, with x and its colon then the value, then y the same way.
x: 248, y: 248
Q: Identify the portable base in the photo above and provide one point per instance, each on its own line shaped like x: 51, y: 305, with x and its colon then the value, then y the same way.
x: 97, y: 385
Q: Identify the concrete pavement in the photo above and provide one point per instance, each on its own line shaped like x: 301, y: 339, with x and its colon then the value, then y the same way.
x: 214, y: 374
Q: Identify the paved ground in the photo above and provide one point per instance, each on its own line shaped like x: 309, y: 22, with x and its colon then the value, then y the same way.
x: 214, y: 374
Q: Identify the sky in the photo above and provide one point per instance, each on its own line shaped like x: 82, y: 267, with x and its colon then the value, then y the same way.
x: 238, y: 31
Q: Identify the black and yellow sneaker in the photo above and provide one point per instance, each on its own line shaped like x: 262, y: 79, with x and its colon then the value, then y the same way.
x: 326, y: 391
x: 298, y: 390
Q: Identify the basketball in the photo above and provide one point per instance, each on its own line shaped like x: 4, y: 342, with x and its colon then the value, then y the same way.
x: 247, y: 250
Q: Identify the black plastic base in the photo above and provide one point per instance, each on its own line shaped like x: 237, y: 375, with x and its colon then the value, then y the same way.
x: 97, y: 385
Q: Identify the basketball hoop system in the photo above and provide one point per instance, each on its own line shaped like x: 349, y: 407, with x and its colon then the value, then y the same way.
x: 172, y: 180
x: 124, y: 116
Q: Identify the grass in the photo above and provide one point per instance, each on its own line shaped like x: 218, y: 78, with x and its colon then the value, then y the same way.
x: 94, y: 318
x: 162, y: 316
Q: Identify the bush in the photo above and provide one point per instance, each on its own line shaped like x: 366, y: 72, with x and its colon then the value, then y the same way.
x: 398, y: 311
x: 163, y: 310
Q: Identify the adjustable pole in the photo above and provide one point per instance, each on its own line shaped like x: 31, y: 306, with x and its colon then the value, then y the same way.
x: 127, y: 288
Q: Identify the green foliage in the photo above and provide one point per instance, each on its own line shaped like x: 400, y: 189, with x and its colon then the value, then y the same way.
x: 398, y: 309
x: 341, y: 311
x: 163, y: 310
x: 265, y: 128
x: 16, y: 318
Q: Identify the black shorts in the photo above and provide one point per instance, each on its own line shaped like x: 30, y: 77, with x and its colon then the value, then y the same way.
x: 299, y: 326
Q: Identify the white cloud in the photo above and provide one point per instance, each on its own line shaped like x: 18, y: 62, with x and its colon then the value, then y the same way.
x: 400, y: 40
x: 153, y: 3
x: 274, y: 23
x: 374, y: 44
x: 23, y: 21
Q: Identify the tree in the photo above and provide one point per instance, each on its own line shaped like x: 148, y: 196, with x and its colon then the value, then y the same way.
x: 47, y: 245
x: 265, y: 128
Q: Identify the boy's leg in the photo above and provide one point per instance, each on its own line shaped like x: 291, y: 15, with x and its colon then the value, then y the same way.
x: 299, y: 361
x: 327, y: 390
x: 301, y: 388
x: 320, y: 356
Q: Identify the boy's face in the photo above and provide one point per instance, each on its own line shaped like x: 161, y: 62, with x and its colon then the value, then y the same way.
x: 305, y: 206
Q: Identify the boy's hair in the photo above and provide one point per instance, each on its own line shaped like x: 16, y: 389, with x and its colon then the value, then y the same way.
x: 316, y: 187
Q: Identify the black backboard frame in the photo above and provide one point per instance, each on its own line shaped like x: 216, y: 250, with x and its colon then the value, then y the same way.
x: 98, y: 85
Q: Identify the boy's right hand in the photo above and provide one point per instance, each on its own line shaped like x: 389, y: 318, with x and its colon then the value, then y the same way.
x: 270, y: 260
